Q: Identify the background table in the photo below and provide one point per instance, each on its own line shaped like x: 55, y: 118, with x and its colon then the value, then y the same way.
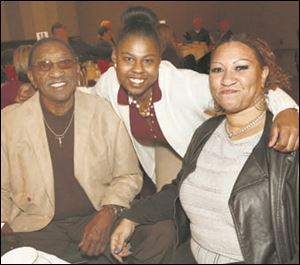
x: 198, y: 49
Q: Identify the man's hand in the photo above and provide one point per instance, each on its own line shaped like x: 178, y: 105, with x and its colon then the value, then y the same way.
x: 6, y: 229
x: 285, y: 131
x: 96, y: 234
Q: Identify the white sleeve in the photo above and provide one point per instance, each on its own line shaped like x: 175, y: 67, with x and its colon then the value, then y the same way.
x: 278, y: 100
x: 97, y: 88
x: 87, y: 90
x: 106, y: 84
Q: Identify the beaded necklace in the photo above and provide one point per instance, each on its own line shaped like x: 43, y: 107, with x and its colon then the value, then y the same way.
x: 246, y: 128
x: 145, y: 113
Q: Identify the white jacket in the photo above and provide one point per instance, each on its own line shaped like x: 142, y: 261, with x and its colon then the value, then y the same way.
x: 185, y: 97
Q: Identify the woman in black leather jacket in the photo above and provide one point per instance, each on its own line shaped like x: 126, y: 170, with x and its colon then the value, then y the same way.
x: 235, y: 200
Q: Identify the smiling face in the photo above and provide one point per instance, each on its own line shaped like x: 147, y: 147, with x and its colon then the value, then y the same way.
x: 236, y: 78
x: 58, y: 83
x: 137, y: 60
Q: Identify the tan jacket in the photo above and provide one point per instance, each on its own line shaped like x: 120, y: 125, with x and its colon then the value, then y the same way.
x: 104, y: 159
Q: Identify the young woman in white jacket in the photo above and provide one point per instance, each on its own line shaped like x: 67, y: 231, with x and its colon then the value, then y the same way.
x: 162, y: 106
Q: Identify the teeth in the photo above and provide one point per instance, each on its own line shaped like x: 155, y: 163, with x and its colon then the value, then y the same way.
x: 136, y: 81
x: 56, y: 85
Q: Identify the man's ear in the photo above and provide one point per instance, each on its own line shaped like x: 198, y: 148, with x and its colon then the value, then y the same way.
x: 114, y: 56
x: 31, y: 78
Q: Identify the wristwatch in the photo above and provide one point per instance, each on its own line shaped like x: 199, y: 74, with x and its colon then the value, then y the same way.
x: 117, y: 209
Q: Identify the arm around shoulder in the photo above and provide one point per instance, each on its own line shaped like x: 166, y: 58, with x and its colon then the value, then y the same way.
x: 278, y: 100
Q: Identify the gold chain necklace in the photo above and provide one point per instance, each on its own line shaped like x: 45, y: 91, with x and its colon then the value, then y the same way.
x: 246, y: 128
x: 59, y: 137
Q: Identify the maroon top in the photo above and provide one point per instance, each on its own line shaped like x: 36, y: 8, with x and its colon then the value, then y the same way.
x: 9, y: 92
x: 143, y: 129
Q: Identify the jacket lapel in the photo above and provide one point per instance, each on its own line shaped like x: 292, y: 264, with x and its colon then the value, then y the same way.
x: 258, y: 169
x: 245, y: 196
x: 37, y: 136
x: 83, y: 115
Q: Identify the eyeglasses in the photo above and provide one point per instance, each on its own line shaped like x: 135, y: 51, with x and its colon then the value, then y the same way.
x: 47, y: 65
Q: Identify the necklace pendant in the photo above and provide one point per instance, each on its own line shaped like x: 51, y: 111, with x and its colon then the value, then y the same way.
x: 60, y: 141
x: 59, y: 137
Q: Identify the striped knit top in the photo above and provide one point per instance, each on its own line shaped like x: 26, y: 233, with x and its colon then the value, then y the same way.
x: 205, y: 193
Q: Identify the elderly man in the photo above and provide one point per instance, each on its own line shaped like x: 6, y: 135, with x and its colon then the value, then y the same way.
x: 68, y: 165
x: 198, y: 33
x: 225, y: 31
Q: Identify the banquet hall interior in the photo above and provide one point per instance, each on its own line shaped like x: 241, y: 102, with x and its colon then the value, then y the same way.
x: 149, y: 132
x: 275, y: 21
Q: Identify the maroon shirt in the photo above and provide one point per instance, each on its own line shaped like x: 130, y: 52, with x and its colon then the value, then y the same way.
x: 143, y: 129
x: 9, y: 92
x: 70, y: 198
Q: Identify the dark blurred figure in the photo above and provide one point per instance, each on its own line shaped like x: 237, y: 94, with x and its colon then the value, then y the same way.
x: 10, y: 84
x: 297, y: 56
x: 7, y: 65
x: 170, y: 51
x: 105, y: 47
x: 107, y: 24
x: 191, y: 63
x: 198, y: 33
x: 203, y: 64
x: 3, y: 77
x: 105, y: 44
x: 84, y: 51
x: 168, y: 46
x: 225, y: 31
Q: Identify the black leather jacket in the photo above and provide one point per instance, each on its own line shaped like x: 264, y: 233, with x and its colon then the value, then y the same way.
x: 264, y: 202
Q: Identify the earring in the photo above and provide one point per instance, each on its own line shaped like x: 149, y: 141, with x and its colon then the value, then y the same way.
x: 115, y: 65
